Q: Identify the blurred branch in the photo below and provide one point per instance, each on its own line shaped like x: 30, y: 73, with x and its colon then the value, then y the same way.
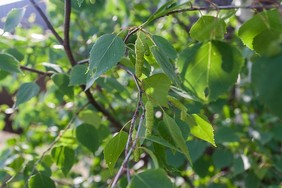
x: 47, y: 22
x: 36, y: 71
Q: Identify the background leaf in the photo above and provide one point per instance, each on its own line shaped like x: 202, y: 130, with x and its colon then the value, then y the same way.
x: 26, y: 92
x: 13, y: 19
x: 114, y: 148
x: 88, y: 136
x: 156, y: 87
x: 267, y: 79
x: 64, y: 158
x: 208, y: 28
x: 209, y: 69
x: 62, y: 82
x: 9, y: 63
x: 151, y: 179
x: 105, y: 53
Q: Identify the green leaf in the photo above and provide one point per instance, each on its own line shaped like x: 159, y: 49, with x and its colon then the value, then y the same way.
x: 64, y: 158
x: 79, y: 2
x: 88, y: 136
x: 270, y: 20
x: 40, y: 180
x: 62, y: 82
x: 163, y: 142
x: 267, y: 80
x: 13, y: 19
x: 26, y: 92
x: 201, y: 128
x: 208, y: 28
x: 176, y: 135
x: 114, y: 148
x: 222, y: 158
x: 9, y: 63
x: 209, y: 69
x: 151, y: 179
x: 156, y: 87
x: 163, y: 60
x: 90, y: 117
x: 165, y: 46
x: 105, y: 54
x: 78, y: 75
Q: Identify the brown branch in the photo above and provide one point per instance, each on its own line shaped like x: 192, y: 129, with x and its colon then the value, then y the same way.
x: 66, y: 41
x: 47, y: 22
x: 36, y: 71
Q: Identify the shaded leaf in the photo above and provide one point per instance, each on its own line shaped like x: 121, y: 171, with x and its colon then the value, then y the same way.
x: 165, y: 46
x: 13, y: 19
x: 208, y: 28
x: 165, y: 64
x: 78, y: 75
x: 40, y: 180
x: 209, y: 69
x: 267, y: 80
x: 176, y: 135
x: 114, y: 148
x: 163, y: 142
x: 9, y: 63
x: 64, y: 158
x: 62, y: 82
x: 222, y: 158
x: 270, y: 19
x: 105, y: 53
x: 88, y: 136
x: 26, y: 92
x: 156, y: 87
x: 151, y: 179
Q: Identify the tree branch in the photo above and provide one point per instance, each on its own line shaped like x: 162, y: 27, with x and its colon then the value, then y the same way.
x: 47, y: 22
x: 66, y: 41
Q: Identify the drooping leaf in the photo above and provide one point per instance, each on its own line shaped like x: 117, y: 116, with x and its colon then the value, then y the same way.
x: 164, y: 62
x: 64, y: 158
x: 156, y: 87
x: 208, y: 28
x: 165, y: 46
x: 88, y: 136
x: 163, y: 142
x: 151, y: 179
x: 62, y: 82
x: 13, y: 19
x: 270, y: 20
x: 40, y: 180
x: 176, y: 135
x: 9, y: 63
x: 267, y: 80
x: 201, y: 128
x: 26, y: 92
x: 105, y: 53
x: 114, y: 148
x: 209, y: 69
x: 90, y: 117
x: 78, y: 75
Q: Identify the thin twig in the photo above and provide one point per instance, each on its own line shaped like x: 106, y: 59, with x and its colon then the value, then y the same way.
x: 55, y: 141
x: 83, y: 61
x: 47, y: 22
x: 36, y: 71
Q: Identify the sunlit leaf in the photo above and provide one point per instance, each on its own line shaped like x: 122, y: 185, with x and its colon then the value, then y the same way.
x: 90, y: 117
x: 26, y: 92
x: 105, y: 53
x: 9, y: 63
x: 209, y: 69
x: 208, y: 28
x: 64, y: 158
x: 156, y: 87
x: 114, y: 148
x: 13, y: 19
x: 150, y: 179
